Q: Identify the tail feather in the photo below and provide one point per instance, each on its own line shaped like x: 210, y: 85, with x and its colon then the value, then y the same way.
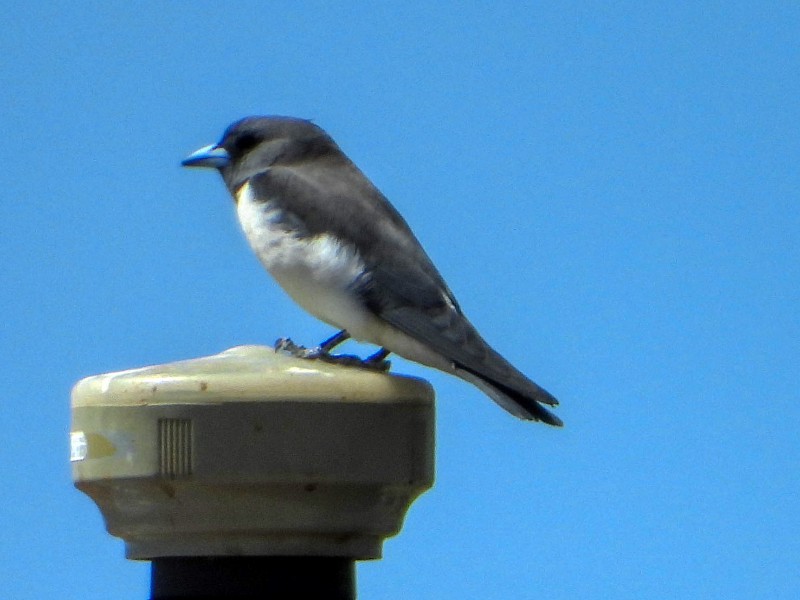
x: 525, y: 406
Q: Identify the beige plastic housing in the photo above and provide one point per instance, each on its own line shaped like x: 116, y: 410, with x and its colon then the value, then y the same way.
x: 249, y: 452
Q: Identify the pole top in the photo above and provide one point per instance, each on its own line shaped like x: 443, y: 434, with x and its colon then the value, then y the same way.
x: 252, y: 453
x: 247, y: 373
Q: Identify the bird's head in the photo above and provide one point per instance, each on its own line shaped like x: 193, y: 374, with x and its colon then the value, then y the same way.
x: 254, y: 144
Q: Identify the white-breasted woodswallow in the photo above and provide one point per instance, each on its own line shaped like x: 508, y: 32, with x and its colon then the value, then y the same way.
x: 342, y: 252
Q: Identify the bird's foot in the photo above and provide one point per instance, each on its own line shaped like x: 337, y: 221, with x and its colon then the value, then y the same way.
x: 287, y: 346
x: 375, y: 362
x: 372, y: 363
x: 345, y: 360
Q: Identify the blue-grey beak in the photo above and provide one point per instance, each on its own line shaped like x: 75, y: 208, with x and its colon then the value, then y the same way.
x: 212, y: 156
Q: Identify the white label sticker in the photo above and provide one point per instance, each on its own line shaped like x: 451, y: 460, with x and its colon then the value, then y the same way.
x: 78, y: 448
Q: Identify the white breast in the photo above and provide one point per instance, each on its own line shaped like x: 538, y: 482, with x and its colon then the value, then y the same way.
x: 317, y: 272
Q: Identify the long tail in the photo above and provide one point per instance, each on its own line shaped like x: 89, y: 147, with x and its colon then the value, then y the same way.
x: 526, y: 405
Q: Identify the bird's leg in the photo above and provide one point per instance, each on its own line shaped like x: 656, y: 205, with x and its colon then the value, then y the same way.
x: 378, y: 360
x: 287, y: 346
x: 333, y: 341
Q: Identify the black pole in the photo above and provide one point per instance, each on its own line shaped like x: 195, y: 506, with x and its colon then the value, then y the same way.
x: 253, y: 577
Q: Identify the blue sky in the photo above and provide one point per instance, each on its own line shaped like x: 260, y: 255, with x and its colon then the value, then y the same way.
x: 610, y: 191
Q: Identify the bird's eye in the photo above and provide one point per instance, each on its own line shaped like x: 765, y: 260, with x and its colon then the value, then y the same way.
x: 245, y: 142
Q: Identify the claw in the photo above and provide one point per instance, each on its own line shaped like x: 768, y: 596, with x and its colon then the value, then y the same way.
x: 287, y: 346
x: 284, y: 344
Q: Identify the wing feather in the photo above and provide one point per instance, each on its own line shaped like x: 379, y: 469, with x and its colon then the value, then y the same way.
x: 403, y: 287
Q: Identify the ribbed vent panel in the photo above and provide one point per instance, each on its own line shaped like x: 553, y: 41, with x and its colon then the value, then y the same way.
x: 175, y: 447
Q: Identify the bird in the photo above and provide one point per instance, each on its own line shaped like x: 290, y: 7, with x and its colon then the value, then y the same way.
x: 341, y: 251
